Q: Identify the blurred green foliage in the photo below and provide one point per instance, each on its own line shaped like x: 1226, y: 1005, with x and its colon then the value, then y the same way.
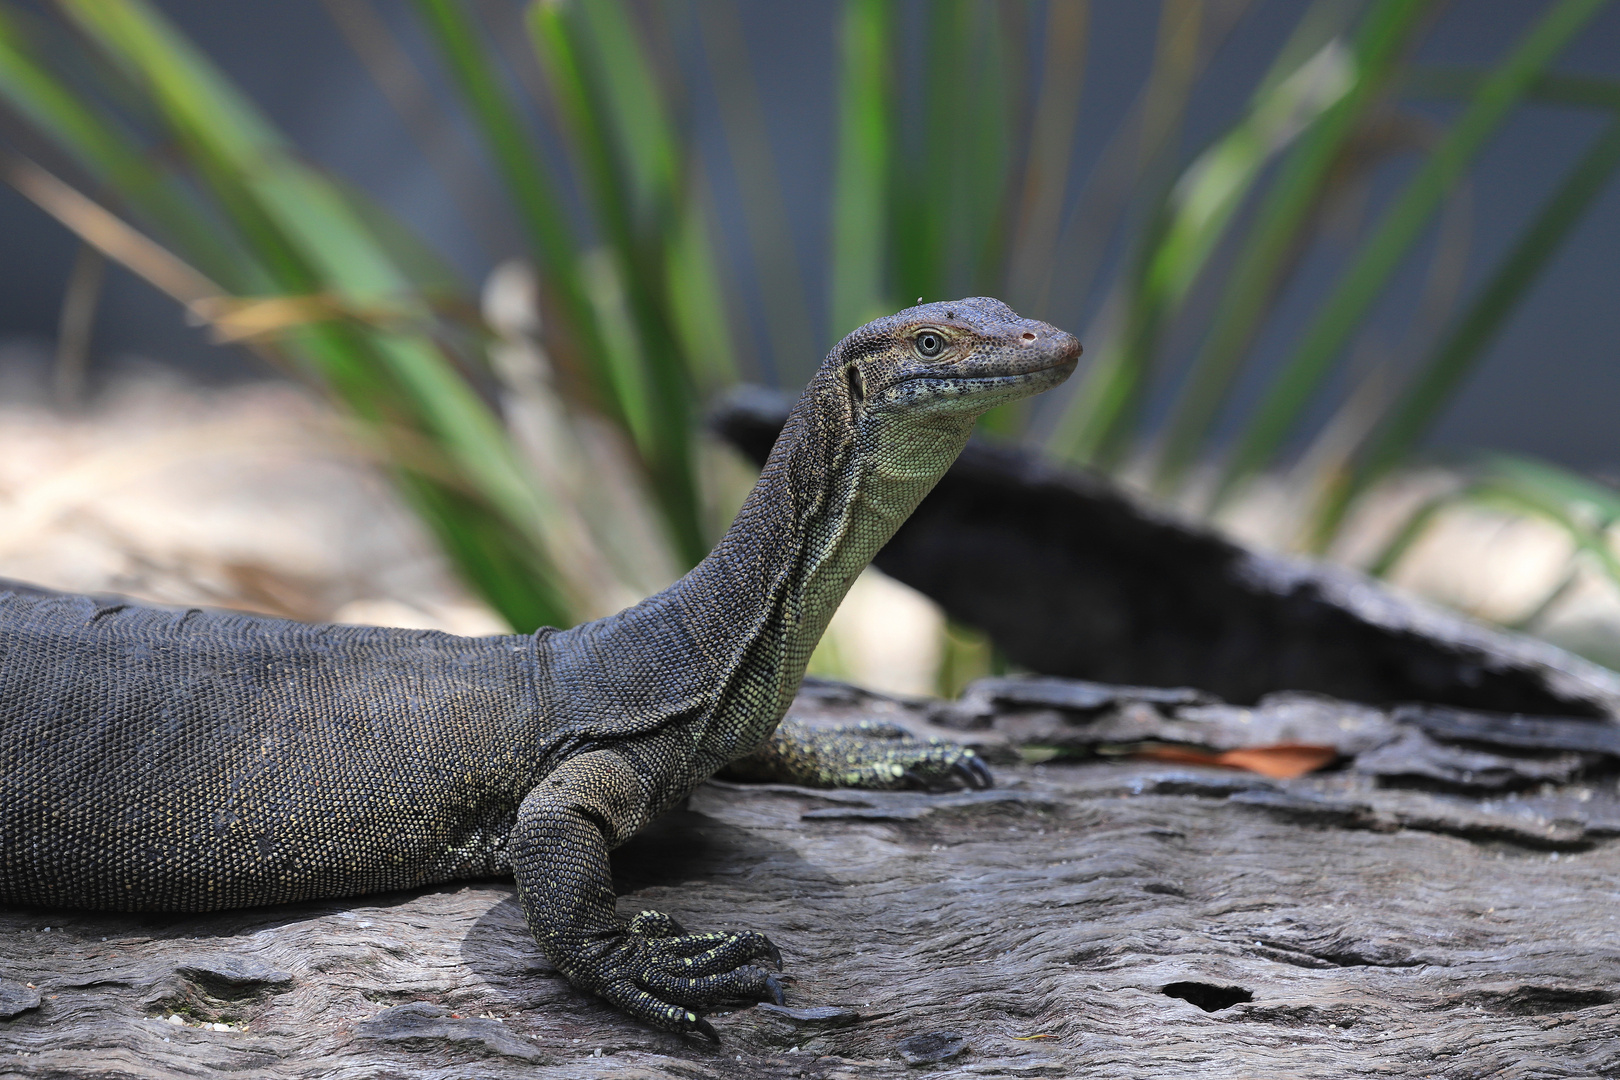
x: 547, y: 427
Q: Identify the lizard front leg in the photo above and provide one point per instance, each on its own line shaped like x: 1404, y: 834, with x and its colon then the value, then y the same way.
x: 648, y: 966
x: 865, y: 755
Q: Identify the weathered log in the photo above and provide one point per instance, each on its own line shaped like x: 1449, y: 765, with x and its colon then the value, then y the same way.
x: 1072, y: 576
x: 1100, y: 917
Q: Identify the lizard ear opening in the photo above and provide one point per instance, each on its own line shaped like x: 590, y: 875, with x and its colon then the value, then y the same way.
x: 857, y: 384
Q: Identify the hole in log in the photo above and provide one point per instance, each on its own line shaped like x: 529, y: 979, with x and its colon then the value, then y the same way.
x: 1539, y: 1000
x: 1207, y: 997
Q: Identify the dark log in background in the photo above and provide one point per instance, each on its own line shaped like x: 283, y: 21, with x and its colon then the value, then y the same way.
x: 1072, y: 576
x: 1442, y: 904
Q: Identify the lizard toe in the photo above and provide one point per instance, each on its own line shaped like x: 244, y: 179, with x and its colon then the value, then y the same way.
x: 730, y: 951
x: 745, y: 983
x: 878, y: 729
x: 634, y: 1000
x: 940, y: 766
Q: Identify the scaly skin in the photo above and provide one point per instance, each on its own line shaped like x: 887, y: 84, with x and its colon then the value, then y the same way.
x: 189, y: 761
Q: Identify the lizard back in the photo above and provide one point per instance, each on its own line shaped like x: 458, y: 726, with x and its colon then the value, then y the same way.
x: 164, y: 759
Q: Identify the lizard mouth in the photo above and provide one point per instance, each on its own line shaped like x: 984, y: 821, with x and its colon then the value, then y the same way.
x: 1070, y: 362
x: 1060, y: 355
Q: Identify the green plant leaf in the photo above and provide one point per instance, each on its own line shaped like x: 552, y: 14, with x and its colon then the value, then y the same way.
x: 860, y: 220
x: 454, y: 460
x: 775, y: 262
x: 1275, y: 235
x: 1453, y: 358
x: 602, y: 80
x: 1185, y: 229
x: 109, y: 154
x: 529, y: 185
x: 1045, y: 178
x: 1583, y: 508
x: 1291, y: 391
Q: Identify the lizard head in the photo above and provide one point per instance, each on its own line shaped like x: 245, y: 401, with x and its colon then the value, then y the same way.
x: 955, y: 358
x: 899, y: 397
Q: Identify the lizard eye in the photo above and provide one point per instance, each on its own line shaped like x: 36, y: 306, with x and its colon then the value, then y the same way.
x: 930, y: 343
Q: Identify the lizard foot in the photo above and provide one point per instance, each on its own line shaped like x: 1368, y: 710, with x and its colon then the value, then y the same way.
x: 885, y: 757
x: 869, y: 755
x: 660, y: 974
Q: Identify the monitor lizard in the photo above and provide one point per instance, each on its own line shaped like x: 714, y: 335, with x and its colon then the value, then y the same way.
x: 192, y: 760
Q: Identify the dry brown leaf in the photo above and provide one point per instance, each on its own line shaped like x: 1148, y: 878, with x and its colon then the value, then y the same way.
x: 1280, y: 761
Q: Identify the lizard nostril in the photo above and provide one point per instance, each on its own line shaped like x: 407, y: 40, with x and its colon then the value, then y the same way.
x: 1028, y: 336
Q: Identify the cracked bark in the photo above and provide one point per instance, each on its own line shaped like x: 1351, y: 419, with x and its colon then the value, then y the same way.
x: 1443, y: 909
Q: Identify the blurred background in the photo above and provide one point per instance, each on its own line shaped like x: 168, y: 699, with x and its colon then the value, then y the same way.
x: 411, y: 312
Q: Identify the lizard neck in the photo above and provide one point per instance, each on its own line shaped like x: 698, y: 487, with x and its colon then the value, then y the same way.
x: 832, y: 493
x: 841, y: 493
x: 725, y: 648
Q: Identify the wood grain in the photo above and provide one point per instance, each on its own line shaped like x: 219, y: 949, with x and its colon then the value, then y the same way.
x: 1346, y: 924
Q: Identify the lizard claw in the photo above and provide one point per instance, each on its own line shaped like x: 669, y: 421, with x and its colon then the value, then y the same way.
x: 973, y: 771
x: 702, y: 1027
x: 938, y: 766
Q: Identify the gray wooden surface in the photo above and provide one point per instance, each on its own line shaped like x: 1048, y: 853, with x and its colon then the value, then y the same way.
x: 1433, y: 907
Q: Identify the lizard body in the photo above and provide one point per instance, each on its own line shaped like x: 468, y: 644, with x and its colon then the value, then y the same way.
x: 190, y: 760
